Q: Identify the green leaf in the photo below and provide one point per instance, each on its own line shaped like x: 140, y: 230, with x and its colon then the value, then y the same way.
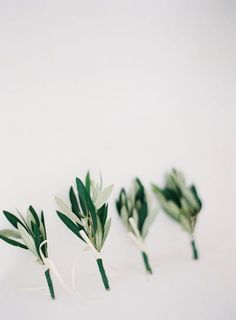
x: 37, y: 240
x: 12, y: 219
x: 74, y: 202
x: 142, y: 214
x: 102, y: 213
x: 13, y: 242
x: 43, y: 227
x: 83, y: 193
x: 44, y: 233
x: 34, y: 214
x: 70, y: 224
x: 88, y: 182
x: 194, y: 191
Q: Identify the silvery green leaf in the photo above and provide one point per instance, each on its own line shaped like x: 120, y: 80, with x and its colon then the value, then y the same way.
x: 185, y: 223
x: 185, y: 207
x: 27, y: 238
x: 123, y: 198
x: 101, y: 182
x: 173, y: 209
x: 124, y: 214
x: 30, y: 219
x: 65, y: 209
x: 135, y: 216
x: 106, y: 230
x: 170, y: 207
x: 95, y: 191
x: 129, y: 204
x: 99, y: 235
x: 148, y: 222
x: 189, y: 196
x: 103, y: 196
x: 10, y: 233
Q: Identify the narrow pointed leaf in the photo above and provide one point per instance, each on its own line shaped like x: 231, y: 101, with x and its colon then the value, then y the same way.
x: 13, y: 242
x: 34, y: 214
x: 103, y: 197
x: 74, y: 202
x: 12, y: 219
x: 10, y: 233
x: 83, y: 193
x: 88, y: 182
x: 28, y: 240
x: 70, y: 224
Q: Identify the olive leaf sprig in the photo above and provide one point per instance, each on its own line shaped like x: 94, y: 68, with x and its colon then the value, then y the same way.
x: 30, y: 234
x: 181, y: 202
x: 87, y: 216
x: 137, y: 216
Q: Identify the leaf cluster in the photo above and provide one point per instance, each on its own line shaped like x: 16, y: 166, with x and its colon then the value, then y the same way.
x: 87, y: 211
x: 28, y: 233
x: 180, y: 201
x: 135, y: 205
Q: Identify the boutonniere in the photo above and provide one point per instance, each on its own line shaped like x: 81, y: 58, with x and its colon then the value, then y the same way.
x: 181, y: 202
x: 87, y: 217
x: 30, y: 234
x: 137, y: 216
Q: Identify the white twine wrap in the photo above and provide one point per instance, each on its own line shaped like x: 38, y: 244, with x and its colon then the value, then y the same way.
x: 49, y: 265
x: 97, y: 254
x: 136, y: 237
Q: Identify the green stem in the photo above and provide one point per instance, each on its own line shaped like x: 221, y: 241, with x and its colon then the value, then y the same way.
x: 146, y: 262
x: 49, y: 282
x: 103, y: 274
x: 194, y: 249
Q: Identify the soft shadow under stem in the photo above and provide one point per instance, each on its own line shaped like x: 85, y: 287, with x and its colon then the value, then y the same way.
x: 194, y: 250
x: 49, y: 282
x: 103, y: 273
x: 146, y: 262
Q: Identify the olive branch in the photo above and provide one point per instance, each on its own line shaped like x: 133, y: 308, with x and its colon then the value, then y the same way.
x: 29, y: 234
x: 87, y: 216
x: 137, y: 216
x: 181, y: 203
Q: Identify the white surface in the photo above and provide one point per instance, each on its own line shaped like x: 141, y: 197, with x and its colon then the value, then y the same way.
x: 128, y: 88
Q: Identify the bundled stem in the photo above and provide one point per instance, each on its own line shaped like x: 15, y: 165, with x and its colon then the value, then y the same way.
x: 103, y: 274
x: 146, y: 262
x: 50, y: 284
x: 194, y: 249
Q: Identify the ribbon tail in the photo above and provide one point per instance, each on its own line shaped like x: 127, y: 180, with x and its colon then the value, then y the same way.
x: 49, y: 264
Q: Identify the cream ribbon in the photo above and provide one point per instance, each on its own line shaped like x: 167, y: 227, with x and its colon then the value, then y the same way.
x: 136, y: 237
x: 49, y: 264
x: 89, y: 243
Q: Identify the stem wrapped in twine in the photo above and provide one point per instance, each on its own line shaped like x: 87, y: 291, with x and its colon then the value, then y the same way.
x: 50, y: 284
x: 194, y: 249
x: 146, y: 262
x: 103, y: 274
x: 50, y: 266
x: 98, y: 259
x: 138, y: 240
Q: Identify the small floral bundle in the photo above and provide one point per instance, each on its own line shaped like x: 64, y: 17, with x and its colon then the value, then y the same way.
x: 87, y: 217
x: 180, y: 202
x: 30, y: 234
x: 135, y: 213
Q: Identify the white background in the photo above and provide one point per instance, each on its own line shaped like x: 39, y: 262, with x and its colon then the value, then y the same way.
x: 128, y: 88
